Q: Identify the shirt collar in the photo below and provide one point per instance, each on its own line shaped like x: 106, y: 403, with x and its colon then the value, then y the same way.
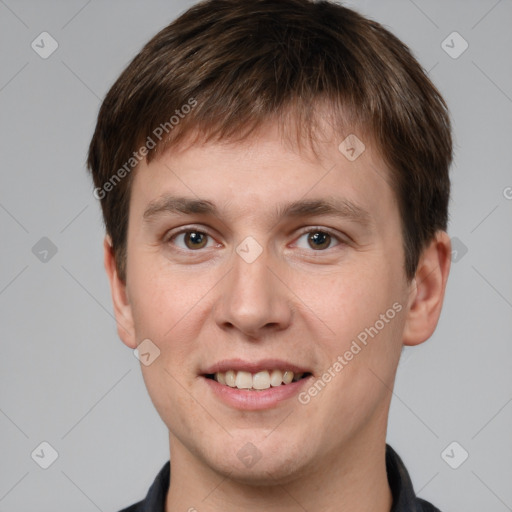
x: 404, y: 498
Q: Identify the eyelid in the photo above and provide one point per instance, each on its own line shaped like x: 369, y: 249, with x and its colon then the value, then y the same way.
x: 184, y: 229
x: 169, y: 235
x: 322, y: 229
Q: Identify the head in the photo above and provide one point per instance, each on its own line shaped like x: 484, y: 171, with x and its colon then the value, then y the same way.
x: 241, y: 121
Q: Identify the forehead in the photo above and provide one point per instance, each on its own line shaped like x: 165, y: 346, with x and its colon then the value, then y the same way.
x: 267, y: 169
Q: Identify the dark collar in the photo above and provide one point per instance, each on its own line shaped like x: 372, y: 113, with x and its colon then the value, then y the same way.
x: 404, y: 499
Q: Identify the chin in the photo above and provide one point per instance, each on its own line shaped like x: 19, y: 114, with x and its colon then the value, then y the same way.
x: 270, y: 464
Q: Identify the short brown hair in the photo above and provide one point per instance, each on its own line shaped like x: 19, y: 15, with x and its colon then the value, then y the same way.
x: 237, y: 64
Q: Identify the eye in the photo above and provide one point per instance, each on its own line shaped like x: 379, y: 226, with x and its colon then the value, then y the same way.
x: 189, y: 239
x: 318, y: 239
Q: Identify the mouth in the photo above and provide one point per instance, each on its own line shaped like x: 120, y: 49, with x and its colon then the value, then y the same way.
x: 265, y: 384
x: 259, y: 381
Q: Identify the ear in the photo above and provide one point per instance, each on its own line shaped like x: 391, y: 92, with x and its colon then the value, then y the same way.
x: 122, y: 307
x: 427, y: 290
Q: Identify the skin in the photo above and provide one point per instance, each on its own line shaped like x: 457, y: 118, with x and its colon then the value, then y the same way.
x: 294, y: 302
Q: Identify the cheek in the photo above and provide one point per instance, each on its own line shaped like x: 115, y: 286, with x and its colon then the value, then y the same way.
x: 364, y: 303
x: 169, y: 308
x: 349, y: 297
x: 162, y: 299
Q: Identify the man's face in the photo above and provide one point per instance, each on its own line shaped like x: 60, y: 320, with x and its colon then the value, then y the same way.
x: 251, y: 285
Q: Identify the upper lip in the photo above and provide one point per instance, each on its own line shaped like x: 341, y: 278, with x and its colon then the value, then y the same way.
x: 253, y: 366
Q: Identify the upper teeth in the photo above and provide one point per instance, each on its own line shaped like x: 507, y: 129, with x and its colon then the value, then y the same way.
x: 260, y: 380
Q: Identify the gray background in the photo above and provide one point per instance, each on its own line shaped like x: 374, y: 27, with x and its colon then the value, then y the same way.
x: 68, y: 380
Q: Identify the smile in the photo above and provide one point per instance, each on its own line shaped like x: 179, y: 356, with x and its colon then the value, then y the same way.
x: 255, y: 385
x: 256, y: 381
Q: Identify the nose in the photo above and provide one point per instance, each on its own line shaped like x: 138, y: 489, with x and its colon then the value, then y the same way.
x: 253, y: 299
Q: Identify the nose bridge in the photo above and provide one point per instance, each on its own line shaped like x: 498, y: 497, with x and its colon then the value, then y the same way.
x: 252, y: 298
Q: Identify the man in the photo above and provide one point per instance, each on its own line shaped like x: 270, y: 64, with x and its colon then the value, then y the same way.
x: 274, y: 181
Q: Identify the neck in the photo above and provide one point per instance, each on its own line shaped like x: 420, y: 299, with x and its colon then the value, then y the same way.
x: 352, y: 478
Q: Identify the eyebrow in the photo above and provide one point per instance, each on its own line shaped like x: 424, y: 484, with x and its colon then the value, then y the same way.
x: 336, y: 207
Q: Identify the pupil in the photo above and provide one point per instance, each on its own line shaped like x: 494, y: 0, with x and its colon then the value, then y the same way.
x: 319, y: 239
x: 196, y: 238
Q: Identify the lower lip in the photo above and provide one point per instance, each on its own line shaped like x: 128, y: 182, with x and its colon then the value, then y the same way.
x: 255, y: 400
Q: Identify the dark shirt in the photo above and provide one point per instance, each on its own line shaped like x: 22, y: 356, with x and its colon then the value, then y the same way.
x: 404, y: 499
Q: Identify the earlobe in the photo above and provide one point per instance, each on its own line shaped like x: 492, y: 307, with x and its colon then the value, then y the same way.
x: 122, y: 306
x: 427, y: 290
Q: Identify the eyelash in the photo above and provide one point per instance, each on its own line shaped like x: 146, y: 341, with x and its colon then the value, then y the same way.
x: 319, y: 229
x: 312, y: 229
